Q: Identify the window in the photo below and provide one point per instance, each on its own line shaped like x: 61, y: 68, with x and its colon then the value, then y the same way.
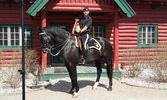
x: 98, y: 30
x: 147, y: 35
x: 11, y: 36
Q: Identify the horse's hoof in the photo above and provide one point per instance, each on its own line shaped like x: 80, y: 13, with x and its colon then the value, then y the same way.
x: 71, y: 91
x: 75, y: 95
x: 93, y: 88
x: 109, y: 89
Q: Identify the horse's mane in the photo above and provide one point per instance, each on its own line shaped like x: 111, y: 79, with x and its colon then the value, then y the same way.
x: 56, y: 30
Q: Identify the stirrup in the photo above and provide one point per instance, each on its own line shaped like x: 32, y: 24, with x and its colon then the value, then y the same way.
x: 82, y: 61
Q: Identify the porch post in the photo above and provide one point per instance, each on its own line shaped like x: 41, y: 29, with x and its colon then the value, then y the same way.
x: 116, y: 41
x: 44, y: 56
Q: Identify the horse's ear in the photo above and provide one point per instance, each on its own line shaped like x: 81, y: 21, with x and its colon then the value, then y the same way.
x: 39, y: 28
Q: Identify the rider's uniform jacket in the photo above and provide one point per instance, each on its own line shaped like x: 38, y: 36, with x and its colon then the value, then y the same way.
x: 85, y: 21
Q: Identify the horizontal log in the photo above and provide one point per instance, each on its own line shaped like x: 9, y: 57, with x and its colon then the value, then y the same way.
x: 9, y: 65
x: 11, y: 57
x: 127, y: 46
x: 127, y: 35
x: 128, y: 39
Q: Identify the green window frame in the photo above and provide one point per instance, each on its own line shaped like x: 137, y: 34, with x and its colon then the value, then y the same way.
x: 147, y: 35
x: 11, y: 36
x: 98, y: 30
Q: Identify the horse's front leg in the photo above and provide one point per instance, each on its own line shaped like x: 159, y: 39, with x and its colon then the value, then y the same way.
x: 73, y: 75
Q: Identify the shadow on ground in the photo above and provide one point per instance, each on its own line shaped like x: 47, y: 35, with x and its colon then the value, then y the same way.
x: 65, y: 86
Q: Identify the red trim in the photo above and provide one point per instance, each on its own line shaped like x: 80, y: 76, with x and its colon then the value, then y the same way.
x: 116, y: 41
x: 78, y: 9
x: 44, y: 56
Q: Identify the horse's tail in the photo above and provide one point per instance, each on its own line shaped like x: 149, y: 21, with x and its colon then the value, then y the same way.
x: 107, y: 49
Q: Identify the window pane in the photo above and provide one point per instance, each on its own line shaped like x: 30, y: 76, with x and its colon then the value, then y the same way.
x: 144, y: 35
x: 144, y: 28
x: 153, y: 29
x: 12, y: 35
x: 17, y: 36
x: 149, y: 41
x: 5, y: 42
x: 0, y: 29
x: 96, y: 29
x: 1, y: 36
x: 1, y: 42
x: 140, y: 41
x: 17, y: 42
x: 140, y: 29
x: 149, y: 34
x: 5, y: 36
x: 28, y: 43
x: 101, y: 29
x: 153, y: 40
x: 144, y: 41
x: 12, y: 42
x: 149, y: 29
x: 153, y: 34
x: 11, y: 29
x: 5, y: 29
x: 16, y: 29
x: 140, y: 35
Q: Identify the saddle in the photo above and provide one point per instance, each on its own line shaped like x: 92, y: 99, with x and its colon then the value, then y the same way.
x: 91, y: 44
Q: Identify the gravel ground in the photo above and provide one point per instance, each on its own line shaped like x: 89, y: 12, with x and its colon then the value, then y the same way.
x: 59, y: 91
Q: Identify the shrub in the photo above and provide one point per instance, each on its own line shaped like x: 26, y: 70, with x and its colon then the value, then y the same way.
x: 11, y: 76
x: 32, y: 64
x: 146, y: 58
x: 135, y: 58
x: 160, y: 65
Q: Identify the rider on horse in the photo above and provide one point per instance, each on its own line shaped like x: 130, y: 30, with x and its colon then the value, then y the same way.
x: 85, y: 24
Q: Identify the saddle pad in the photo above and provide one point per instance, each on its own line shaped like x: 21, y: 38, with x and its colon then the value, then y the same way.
x: 93, y: 43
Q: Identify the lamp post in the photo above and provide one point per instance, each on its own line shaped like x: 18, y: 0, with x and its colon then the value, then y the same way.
x: 22, y: 72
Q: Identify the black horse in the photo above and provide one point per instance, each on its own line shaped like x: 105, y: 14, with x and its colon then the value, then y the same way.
x: 56, y: 37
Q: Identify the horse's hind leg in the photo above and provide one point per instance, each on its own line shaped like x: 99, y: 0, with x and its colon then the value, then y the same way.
x: 110, y: 74
x: 99, y: 70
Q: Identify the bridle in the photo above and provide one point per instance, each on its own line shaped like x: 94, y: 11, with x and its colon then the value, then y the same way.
x: 57, y: 46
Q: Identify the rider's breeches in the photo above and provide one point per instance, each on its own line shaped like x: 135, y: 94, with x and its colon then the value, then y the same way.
x: 84, y: 39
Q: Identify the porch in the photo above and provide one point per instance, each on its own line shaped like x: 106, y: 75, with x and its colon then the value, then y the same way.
x: 82, y: 71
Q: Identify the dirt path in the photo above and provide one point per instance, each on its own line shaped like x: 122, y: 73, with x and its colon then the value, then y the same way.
x: 59, y: 91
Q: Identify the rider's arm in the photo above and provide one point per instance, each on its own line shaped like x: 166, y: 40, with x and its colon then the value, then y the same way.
x: 86, y: 26
x: 84, y: 29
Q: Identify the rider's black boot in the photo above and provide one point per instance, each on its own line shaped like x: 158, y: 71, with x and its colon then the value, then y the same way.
x: 83, y: 59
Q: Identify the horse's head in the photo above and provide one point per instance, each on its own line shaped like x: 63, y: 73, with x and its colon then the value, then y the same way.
x: 52, y: 36
x: 46, y: 40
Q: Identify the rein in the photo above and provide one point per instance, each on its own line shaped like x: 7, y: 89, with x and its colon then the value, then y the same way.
x: 60, y: 49
x: 64, y: 45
